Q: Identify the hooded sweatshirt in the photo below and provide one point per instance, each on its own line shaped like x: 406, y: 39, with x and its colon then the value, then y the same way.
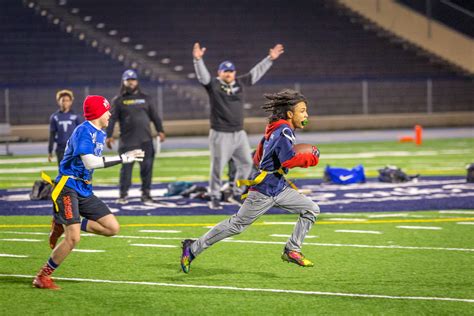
x: 275, y: 151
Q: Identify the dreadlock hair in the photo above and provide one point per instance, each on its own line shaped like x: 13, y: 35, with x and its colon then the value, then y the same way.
x: 281, y: 102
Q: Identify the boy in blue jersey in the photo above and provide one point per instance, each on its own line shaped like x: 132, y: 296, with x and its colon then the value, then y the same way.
x: 274, y: 156
x: 61, y: 124
x: 72, y: 195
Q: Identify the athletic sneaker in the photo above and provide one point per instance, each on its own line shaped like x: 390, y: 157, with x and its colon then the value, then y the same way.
x: 186, y: 256
x: 296, y: 257
x: 56, y: 231
x: 122, y: 200
x: 146, y: 199
x: 45, y: 282
x: 214, y: 204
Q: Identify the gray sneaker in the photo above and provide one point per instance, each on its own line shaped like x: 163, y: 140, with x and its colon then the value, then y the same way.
x: 214, y: 204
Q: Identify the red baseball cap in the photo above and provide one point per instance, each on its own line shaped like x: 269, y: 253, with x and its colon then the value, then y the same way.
x: 95, y: 106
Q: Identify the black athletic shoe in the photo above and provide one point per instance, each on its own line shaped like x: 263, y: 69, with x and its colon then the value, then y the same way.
x: 146, y: 199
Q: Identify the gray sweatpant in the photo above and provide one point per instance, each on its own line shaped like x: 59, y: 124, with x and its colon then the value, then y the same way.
x: 255, y: 205
x: 223, y: 147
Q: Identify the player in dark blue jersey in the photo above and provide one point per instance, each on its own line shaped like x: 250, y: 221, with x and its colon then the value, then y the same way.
x: 274, y: 156
x: 72, y: 195
x: 61, y: 124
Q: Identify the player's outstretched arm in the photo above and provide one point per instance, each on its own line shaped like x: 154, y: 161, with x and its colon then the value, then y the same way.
x: 203, y: 75
x: 93, y: 162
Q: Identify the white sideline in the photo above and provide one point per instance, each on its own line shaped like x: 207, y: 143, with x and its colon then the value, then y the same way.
x: 421, y: 227
x: 20, y: 239
x: 279, y: 242
x: 87, y: 250
x: 12, y: 256
x: 465, y: 223
x: 246, y: 289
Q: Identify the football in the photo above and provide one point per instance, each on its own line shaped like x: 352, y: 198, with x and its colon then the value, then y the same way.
x: 303, y: 148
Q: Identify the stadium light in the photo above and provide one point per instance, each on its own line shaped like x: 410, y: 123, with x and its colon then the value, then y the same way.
x: 75, y: 10
x: 43, y: 13
x: 56, y: 21
x: 120, y: 57
x: 178, y: 68
x: 151, y: 53
x: 138, y: 47
x: 100, y: 25
x: 94, y: 43
x: 113, y: 32
x: 82, y: 36
x: 125, y: 39
x: 107, y: 50
x: 191, y: 75
x: 87, y: 18
x: 31, y: 5
x: 165, y: 61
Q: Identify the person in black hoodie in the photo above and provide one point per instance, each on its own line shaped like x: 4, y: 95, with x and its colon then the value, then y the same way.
x: 134, y: 111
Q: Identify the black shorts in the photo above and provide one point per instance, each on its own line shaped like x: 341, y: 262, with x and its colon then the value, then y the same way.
x: 71, y: 207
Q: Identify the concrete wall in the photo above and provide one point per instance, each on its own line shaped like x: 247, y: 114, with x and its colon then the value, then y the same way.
x: 256, y: 125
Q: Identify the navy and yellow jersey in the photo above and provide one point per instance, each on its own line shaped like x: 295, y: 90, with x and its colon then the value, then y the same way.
x: 276, y: 148
x: 61, y: 126
x: 86, y: 139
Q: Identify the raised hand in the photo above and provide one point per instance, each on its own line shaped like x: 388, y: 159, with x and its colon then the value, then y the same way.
x: 133, y: 155
x: 276, y: 51
x: 198, y: 52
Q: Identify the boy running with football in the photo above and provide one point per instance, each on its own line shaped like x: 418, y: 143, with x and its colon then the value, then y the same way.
x: 274, y: 156
x: 72, y: 195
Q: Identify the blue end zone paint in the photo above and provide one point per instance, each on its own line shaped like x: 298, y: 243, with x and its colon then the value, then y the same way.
x: 430, y: 193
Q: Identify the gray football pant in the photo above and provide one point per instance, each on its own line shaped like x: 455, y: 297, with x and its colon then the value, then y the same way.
x: 255, y: 206
x: 223, y: 147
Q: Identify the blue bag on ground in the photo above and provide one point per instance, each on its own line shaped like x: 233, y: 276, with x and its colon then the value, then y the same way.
x: 344, y: 176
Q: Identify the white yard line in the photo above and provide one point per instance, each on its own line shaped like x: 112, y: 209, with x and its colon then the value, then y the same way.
x: 350, y: 245
x: 465, y: 223
x: 421, y: 227
x: 457, y: 212
x: 160, y: 231
x: 87, y: 250
x: 18, y: 239
x: 388, y: 215
x: 154, y: 245
x: 358, y: 231
x: 287, y: 236
x: 23, y: 233
x: 204, y: 153
x: 264, y: 290
x: 7, y: 255
x: 283, y: 243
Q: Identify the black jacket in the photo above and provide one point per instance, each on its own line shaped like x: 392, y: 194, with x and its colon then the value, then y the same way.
x: 134, y: 113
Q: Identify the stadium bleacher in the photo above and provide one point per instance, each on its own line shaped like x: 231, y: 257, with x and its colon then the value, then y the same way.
x: 329, y: 55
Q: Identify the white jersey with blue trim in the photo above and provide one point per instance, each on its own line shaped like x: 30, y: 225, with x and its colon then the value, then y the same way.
x: 86, y: 139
